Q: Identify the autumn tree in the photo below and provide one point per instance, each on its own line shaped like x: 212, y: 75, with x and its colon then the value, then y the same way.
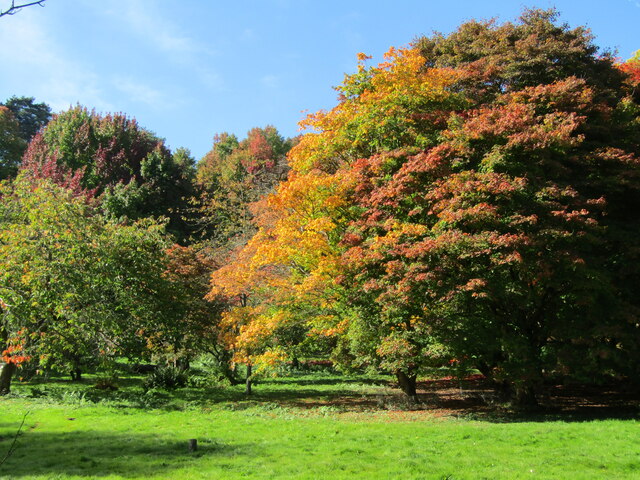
x: 474, y: 199
x: 125, y: 167
x: 631, y: 69
x: 192, y: 324
x: 500, y: 241
x: 294, y: 259
x: 232, y: 176
x: 76, y: 288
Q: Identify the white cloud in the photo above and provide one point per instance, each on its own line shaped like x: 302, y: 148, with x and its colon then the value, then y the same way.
x: 34, y: 64
x: 145, y: 20
x: 139, y: 92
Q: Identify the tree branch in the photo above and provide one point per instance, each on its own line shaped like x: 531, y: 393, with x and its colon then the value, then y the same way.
x: 15, y: 440
x: 13, y: 9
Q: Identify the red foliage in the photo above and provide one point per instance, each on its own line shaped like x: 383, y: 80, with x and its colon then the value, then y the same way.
x: 49, y: 168
x: 632, y: 69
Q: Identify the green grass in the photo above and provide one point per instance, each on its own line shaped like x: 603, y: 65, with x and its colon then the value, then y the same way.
x: 313, y: 427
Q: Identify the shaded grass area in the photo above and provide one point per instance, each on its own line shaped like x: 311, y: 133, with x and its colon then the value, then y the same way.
x: 302, y: 390
x: 308, y: 427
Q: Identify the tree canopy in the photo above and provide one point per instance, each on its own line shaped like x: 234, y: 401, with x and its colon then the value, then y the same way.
x: 20, y: 119
x: 470, y: 200
x: 31, y: 116
x: 232, y: 176
x: 77, y: 288
x: 12, y: 145
x: 110, y: 157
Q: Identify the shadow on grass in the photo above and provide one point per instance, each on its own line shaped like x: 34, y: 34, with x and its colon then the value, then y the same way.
x: 444, y: 397
x: 101, y: 454
x: 327, y: 380
x: 299, y: 397
x: 347, y: 394
x: 310, y: 391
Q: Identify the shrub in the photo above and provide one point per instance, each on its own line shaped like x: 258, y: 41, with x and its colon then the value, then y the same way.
x: 168, y: 377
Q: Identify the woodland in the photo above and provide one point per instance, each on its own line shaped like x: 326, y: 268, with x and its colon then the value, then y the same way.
x: 469, y: 208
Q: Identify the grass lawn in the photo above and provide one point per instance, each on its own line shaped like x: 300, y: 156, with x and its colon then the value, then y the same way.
x: 309, y: 427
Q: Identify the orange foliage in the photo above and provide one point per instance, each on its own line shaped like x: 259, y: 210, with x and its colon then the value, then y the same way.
x: 14, y: 353
x: 295, y: 257
x: 632, y: 68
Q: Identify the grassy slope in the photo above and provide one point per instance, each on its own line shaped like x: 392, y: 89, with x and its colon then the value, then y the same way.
x: 67, y: 436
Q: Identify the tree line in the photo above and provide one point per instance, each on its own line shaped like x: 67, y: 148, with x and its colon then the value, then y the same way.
x: 470, y: 202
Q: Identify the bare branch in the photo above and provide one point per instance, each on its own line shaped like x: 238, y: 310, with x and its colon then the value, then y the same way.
x: 13, y: 9
x: 15, y: 440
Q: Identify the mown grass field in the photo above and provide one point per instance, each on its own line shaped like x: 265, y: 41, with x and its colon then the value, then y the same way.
x: 304, y: 427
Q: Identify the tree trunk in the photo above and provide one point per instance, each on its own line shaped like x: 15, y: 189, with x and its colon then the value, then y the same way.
x: 6, y: 373
x: 229, y: 374
x: 247, y: 390
x: 183, y: 363
x: 524, y: 396
x: 520, y: 396
x: 407, y: 383
x: 484, y: 368
x: 295, y: 363
x: 223, y: 358
x: 76, y: 374
x: 503, y: 390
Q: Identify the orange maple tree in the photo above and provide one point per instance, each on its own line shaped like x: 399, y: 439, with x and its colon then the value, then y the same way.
x: 286, y: 274
x: 463, y: 204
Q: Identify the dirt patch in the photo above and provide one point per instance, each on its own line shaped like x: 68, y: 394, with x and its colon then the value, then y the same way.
x: 476, y: 397
x: 621, y: 398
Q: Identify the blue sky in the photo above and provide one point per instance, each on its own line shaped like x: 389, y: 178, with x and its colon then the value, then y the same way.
x: 187, y: 69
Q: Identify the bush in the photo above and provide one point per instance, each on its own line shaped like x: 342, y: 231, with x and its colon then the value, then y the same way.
x: 109, y: 382
x: 168, y: 377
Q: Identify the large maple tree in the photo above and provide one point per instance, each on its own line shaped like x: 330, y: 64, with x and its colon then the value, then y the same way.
x: 473, y: 199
